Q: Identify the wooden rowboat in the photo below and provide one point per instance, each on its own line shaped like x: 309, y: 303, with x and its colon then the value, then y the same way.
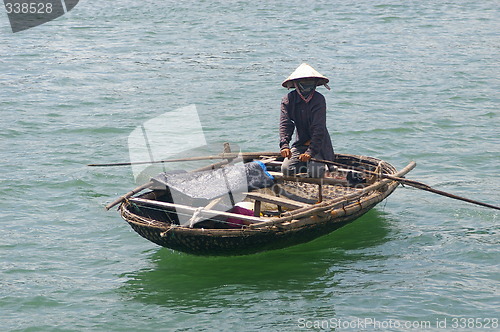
x: 293, y: 210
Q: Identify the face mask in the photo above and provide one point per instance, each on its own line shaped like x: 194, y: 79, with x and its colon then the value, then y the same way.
x: 306, y: 89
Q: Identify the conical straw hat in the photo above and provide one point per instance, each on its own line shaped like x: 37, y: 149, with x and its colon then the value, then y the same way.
x: 304, y: 71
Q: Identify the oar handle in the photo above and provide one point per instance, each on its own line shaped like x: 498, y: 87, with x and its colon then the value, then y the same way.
x: 225, y: 155
x: 129, y: 194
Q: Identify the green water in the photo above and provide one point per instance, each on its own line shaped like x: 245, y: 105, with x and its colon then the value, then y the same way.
x: 410, y: 81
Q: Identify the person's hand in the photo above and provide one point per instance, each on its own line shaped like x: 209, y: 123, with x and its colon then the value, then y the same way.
x: 304, y: 157
x: 286, y: 153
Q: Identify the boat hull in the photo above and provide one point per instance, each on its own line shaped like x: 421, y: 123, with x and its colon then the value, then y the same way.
x: 249, y: 240
x: 241, y: 242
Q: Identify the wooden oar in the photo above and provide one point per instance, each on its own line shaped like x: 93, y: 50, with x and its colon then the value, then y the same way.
x: 231, y: 155
x: 412, y: 183
x: 129, y: 194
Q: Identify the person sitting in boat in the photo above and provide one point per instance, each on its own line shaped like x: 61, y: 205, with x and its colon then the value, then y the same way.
x: 304, y: 109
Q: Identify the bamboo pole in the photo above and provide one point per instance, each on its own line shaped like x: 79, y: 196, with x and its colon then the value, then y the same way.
x: 127, y: 195
x: 231, y: 155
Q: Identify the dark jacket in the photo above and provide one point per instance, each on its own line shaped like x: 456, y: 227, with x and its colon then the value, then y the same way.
x: 310, y: 121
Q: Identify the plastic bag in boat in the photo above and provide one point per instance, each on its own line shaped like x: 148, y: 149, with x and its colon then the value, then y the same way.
x: 208, y: 185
